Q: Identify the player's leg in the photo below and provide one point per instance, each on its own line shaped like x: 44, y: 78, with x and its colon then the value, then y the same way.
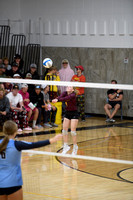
x: 116, y: 108
x: 66, y: 124
x: 18, y: 195
x: 74, y: 123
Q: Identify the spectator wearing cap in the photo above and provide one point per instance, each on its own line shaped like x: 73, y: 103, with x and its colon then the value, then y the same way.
x: 19, y: 113
x: 4, y: 107
x: 31, y: 87
x: 6, y: 63
x: 33, y: 71
x: 80, y: 90
x: 36, y: 98
x: 13, y: 70
x: 26, y: 102
x: 49, y: 110
x: 2, y: 71
x: 19, y: 61
x: 17, y: 76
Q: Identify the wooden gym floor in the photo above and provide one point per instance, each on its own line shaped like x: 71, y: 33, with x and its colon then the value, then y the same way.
x: 50, y: 178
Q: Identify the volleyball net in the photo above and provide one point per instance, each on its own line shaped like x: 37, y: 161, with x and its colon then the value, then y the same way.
x: 109, y: 143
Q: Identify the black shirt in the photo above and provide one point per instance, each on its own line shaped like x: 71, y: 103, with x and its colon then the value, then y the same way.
x: 35, y: 98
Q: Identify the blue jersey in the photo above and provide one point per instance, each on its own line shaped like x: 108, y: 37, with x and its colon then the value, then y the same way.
x: 10, y: 162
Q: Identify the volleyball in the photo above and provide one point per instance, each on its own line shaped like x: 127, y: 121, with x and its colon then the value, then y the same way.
x: 47, y: 63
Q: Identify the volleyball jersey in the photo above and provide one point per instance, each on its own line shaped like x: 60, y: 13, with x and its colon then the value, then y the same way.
x: 10, y: 162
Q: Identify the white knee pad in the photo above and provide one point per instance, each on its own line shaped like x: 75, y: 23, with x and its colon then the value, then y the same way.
x: 73, y: 133
x: 64, y: 132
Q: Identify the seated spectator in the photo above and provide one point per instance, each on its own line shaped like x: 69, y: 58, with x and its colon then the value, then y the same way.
x: 33, y: 71
x: 2, y: 71
x: 1, y: 61
x: 31, y: 87
x: 4, y: 107
x: 19, y: 61
x: 80, y: 91
x: 13, y: 70
x: 36, y: 98
x: 17, y: 76
x: 26, y: 102
x: 53, y: 75
x: 8, y: 87
x: 2, y: 86
x: 19, y: 113
x: 49, y: 110
x: 6, y: 63
x: 115, y: 97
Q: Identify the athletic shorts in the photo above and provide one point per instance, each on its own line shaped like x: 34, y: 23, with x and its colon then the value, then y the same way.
x: 113, y: 103
x: 10, y: 190
x: 71, y: 115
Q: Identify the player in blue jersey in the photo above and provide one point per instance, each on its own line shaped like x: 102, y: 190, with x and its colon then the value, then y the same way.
x: 10, y: 156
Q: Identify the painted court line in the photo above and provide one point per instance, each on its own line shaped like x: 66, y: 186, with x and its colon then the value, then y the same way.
x: 128, y: 162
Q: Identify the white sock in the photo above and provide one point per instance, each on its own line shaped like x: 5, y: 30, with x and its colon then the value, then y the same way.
x: 65, y: 143
x: 34, y: 123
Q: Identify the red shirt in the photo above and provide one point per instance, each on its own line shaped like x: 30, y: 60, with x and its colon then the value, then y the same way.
x: 79, y: 79
x: 70, y: 99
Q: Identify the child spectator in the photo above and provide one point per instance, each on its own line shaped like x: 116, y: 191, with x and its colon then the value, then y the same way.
x: 4, y: 107
x: 26, y: 102
x: 36, y: 98
x: 33, y: 71
x: 53, y: 75
x: 6, y: 63
x: 19, y: 113
x: 49, y: 110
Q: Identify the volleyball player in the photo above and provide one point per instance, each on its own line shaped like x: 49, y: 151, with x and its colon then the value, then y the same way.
x: 10, y: 156
x: 71, y: 116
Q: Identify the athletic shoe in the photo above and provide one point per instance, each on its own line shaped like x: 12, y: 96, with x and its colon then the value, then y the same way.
x: 27, y: 129
x: 66, y: 148
x: 35, y: 127
x: 75, y: 149
x: 107, y: 120
x: 48, y: 125
x: 39, y: 126
x: 112, y: 120
x: 54, y: 125
x: 19, y: 130
x: 83, y: 119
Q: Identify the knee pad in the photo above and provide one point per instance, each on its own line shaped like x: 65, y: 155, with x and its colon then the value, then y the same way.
x: 64, y: 132
x: 73, y: 133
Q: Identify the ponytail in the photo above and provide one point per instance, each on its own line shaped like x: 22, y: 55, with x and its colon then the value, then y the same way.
x: 4, y: 143
x: 9, y: 128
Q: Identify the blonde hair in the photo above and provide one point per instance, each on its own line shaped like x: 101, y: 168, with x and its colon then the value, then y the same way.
x: 9, y: 128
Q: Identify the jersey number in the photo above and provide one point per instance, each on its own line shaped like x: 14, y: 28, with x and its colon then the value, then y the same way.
x: 3, y: 155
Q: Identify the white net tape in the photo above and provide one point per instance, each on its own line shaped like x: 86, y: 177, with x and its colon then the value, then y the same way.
x: 65, y: 83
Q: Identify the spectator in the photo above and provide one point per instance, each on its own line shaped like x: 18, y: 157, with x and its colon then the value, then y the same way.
x: 19, y: 113
x: 66, y: 74
x: 17, y: 76
x: 49, y: 110
x: 4, y: 107
x: 36, y: 98
x: 8, y: 87
x: 6, y: 63
x: 2, y: 86
x: 26, y: 102
x: 53, y: 75
x: 33, y: 71
x: 31, y: 87
x: 19, y: 61
x: 13, y: 70
x: 2, y: 73
x: 1, y: 61
x: 80, y: 91
x: 115, y: 97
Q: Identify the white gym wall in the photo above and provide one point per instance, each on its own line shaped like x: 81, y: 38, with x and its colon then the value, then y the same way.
x: 71, y: 23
